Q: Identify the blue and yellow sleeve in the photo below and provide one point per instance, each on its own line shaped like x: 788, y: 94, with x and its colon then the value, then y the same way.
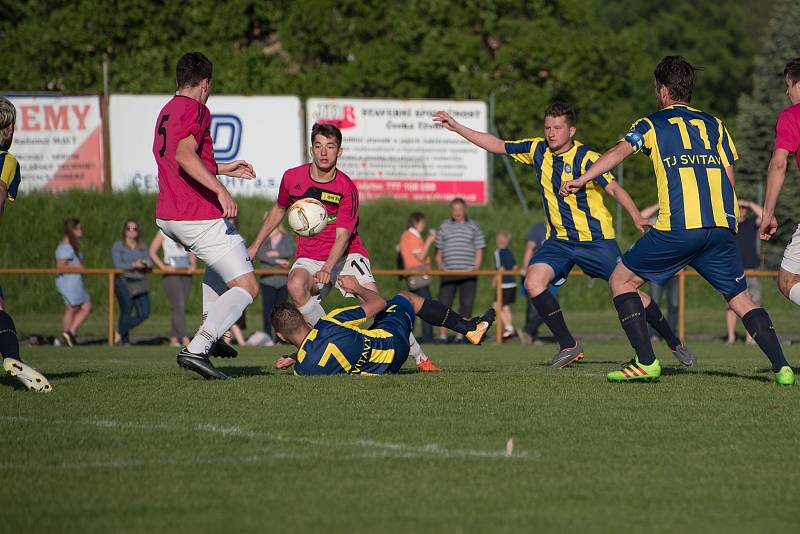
x: 352, y: 315
x: 522, y: 150
x: 638, y: 135
x: 725, y: 147
x: 9, y: 174
x: 602, y: 180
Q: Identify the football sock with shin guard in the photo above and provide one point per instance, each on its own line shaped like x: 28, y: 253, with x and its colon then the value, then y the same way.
x: 312, y: 310
x: 9, y: 344
x: 656, y: 319
x: 435, y: 313
x: 221, y: 316
x: 550, y: 311
x: 632, y: 318
x: 759, y: 325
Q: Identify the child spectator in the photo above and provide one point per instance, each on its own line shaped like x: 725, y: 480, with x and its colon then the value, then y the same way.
x: 504, y: 259
x: 77, y: 302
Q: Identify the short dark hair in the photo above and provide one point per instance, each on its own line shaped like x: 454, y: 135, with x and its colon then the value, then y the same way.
x: 792, y: 70
x: 562, y: 109
x: 192, y: 69
x: 326, y: 130
x: 286, y: 318
x: 414, y: 218
x: 458, y: 200
x: 677, y: 75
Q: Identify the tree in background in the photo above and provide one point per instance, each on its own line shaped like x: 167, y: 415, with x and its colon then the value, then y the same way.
x: 758, y: 111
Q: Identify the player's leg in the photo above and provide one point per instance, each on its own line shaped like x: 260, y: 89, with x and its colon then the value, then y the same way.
x: 719, y: 263
x: 437, y: 314
x: 789, y: 272
x: 300, y: 286
x: 730, y: 325
x: 447, y: 295
x: 12, y: 360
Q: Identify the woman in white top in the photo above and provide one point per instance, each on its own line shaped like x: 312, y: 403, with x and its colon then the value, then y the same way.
x: 77, y: 303
x: 177, y: 284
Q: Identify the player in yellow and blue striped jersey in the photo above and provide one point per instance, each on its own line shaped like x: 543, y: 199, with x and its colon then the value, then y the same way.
x: 342, y: 342
x: 580, y: 229
x: 692, y: 155
x: 9, y: 185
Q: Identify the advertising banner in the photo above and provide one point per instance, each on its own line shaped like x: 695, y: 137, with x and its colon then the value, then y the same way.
x: 393, y: 148
x: 58, y: 141
x: 264, y: 130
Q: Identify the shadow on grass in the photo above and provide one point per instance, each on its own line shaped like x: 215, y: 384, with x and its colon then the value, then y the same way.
x: 251, y: 370
x: 8, y: 380
x: 729, y: 374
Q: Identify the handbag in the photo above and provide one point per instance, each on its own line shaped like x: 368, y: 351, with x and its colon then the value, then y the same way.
x: 136, y: 286
x: 418, y: 281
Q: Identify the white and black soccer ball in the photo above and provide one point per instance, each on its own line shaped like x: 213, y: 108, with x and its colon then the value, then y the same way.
x: 307, y: 217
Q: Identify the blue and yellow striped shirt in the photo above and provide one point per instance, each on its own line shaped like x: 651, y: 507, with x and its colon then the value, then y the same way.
x: 9, y: 174
x: 579, y: 217
x: 689, y: 150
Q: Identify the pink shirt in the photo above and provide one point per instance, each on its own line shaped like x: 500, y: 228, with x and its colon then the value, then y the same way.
x: 787, y: 131
x: 340, y: 198
x: 180, y: 197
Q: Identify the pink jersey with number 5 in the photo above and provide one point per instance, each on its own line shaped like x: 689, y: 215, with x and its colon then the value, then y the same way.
x: 340, y: 198
x: 181, y: 197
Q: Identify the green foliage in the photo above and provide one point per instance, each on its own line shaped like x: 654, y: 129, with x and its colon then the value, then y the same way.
x: 758, y: 112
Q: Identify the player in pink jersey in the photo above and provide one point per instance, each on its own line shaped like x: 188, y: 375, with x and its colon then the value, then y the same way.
x: 338, y: 249
x: 192, y: 208
x: 787, y: 142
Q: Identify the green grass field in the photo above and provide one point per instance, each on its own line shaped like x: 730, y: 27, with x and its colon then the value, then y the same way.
x: 127, y: 442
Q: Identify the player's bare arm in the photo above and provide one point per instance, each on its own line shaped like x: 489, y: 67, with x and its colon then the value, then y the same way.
x: 484, y: 140
x: 190, y: 162
x: 604, y: 164
x: 371, y: 302
x: 323, y: 276
x: 271, y: 221
x: 775, y: 176
x: 618, y: 193
x: 238, y: 169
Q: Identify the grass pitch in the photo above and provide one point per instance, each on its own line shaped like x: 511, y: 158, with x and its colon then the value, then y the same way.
x: 127, y: 442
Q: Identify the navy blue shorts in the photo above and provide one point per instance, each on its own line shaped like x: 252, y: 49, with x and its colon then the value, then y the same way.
x: 397, y: 318
x: 596, y: 258
x: 658, y: 255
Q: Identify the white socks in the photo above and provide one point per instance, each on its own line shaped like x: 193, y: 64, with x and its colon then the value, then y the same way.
x: 794, y: 294
x: 221, y: 315
x: 312, y: 310
x: 415, y: 350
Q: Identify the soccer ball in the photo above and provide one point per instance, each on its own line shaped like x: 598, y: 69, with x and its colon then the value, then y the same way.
x: 307, y: 217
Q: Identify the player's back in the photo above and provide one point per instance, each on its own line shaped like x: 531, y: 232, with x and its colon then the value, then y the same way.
x: 690, y: 151
x: 181, y: 197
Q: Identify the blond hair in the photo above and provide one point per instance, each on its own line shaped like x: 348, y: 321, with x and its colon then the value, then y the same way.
x: 8, y: 116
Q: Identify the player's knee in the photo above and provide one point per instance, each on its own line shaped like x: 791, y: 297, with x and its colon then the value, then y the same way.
x: 415, y: 300
x: 534, y: 285
x: 298, y: 289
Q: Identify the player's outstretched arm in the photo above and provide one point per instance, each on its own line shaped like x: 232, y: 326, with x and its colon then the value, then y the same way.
x: 484, y: 140
x: 618, y: 193
x: 775, y: 176
x: 371, y: 302
x: 238, y: 169
x: 604, y: 164
x: 190, y: 162
x: 271, y: 221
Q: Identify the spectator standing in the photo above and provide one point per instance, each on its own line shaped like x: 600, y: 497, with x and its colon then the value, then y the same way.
x: 177, y: 284
x: 747, y: 244
x: 504, y: 259
x: 670, y: 288
x: 530, y: 331
x: 275, y: 252
x: 414, y: 257
x: 459, y: 247
x: 77, y: 302
x: 131, y: 287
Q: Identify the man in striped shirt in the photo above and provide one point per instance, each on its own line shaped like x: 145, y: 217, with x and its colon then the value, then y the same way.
x: 459, y: 247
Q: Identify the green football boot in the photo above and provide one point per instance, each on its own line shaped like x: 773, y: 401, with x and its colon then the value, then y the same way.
x: 633, y: 371
x: 785, y: 377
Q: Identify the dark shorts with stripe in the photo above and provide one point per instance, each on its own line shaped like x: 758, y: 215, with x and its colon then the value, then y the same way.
x: 596, y: 258
x: 400, y: 323
x: 658, y: 255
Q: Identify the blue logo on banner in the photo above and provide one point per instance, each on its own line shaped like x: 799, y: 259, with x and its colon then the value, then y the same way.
x: 226, y: 131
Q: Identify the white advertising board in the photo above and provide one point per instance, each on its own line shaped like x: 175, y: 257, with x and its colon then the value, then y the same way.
x: 392, y: 147
x: 264, y: 130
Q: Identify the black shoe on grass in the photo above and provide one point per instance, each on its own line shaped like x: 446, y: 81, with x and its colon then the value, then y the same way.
x: 200, y: 364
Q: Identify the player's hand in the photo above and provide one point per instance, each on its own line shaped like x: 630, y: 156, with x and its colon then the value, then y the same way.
x: 443, y: 119
x: 349, y: 283
x: 570, y: 187
x: 642, y: 223
x: 284, y: 362
x: 767, y: 228
x: 252, y: 251
x: 322, y: 277
x: 238, y: 169
x: 229, y: 207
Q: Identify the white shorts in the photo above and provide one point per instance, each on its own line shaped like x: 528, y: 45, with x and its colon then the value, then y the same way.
x: 791, y: 256
x: 353, y: 264
x: 216, y: 242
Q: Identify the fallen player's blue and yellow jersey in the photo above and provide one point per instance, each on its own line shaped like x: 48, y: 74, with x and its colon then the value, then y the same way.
x: 9, y: 174
x: 689, y: 150
x: 341, y: 343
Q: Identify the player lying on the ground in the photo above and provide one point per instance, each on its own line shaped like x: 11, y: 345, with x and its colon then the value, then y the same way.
x: 580, y: 230
x: 692, y: 155
x: 339, y: 343
x: 9, y: 184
